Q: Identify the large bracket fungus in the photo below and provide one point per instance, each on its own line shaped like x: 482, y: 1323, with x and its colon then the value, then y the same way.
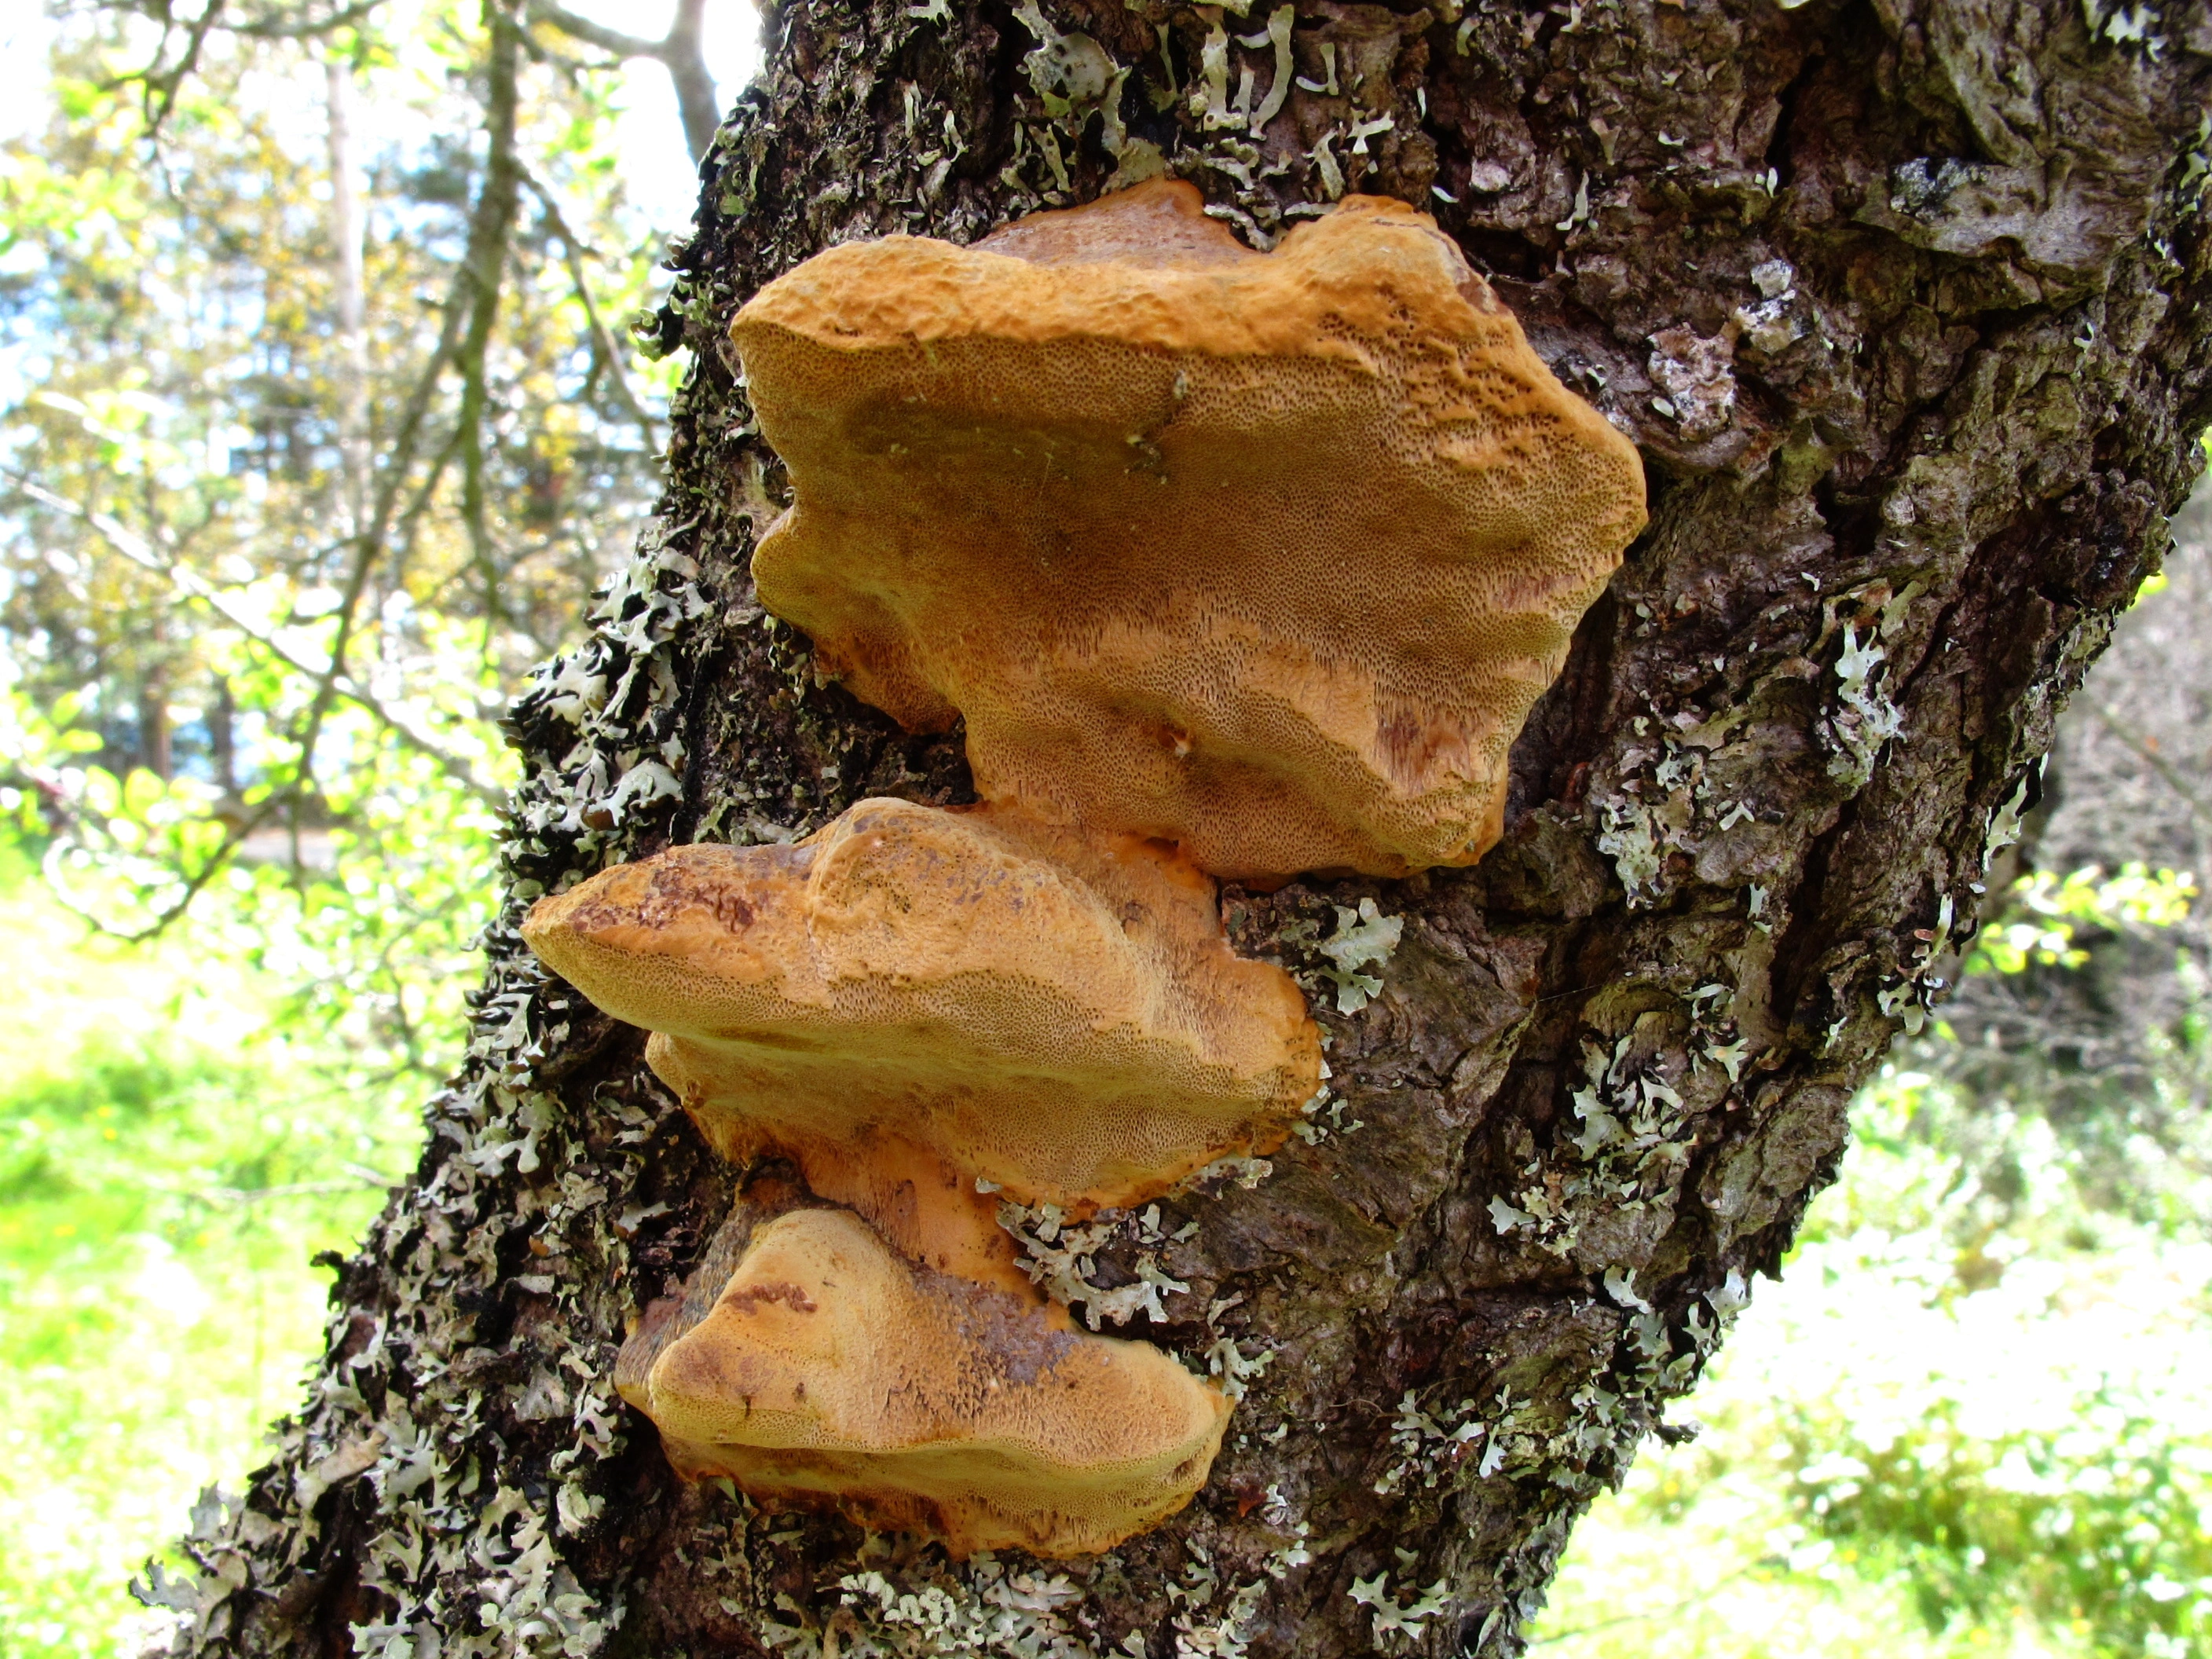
x: 1267, y: 555
x: 1235, y: 565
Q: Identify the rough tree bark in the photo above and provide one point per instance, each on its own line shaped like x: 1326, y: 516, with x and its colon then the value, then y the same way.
x: 1903, y: 301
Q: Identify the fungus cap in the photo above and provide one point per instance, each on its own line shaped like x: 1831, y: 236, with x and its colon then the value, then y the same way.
x: 914, y: 997
x: 1265, y: 555
x: 829, y: 1370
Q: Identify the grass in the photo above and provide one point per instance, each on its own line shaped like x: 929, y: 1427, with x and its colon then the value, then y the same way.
x: 168, y: 1168
x: 1959, y: 1427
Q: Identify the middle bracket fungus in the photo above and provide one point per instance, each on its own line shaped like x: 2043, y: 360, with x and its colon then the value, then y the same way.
x: 915, y: 998
x: 1268, y: 555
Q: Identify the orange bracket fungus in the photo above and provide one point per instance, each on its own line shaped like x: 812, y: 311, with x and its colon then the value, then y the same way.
x: 830, y: 1369
x: 914, y: 1000
x: 921, y: 1008
x: 1267, y: 555
x: 1235, y: 565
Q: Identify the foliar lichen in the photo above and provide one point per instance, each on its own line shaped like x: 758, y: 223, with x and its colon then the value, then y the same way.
x: 1364, y: 941
x: 1669, y: 797
x: 463, y: 1552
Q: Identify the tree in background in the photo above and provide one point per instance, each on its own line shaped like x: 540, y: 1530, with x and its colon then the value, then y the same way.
x: 312, y: 450
x: 1904, y: 307
x: 2103, y: 1022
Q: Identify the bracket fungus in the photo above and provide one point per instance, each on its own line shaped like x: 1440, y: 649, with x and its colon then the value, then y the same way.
x: 828, y: 1369
x: 916, y: 998
x: 921, y: 1006
x: 1267, y: 555
x: 1235, y: 565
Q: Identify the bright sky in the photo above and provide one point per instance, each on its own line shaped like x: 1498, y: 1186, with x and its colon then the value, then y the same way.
x: 24, y: 32
x: 659, y: 169
x: 656, y: 164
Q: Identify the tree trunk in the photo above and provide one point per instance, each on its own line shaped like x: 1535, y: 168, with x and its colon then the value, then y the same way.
x: 1902, y: 302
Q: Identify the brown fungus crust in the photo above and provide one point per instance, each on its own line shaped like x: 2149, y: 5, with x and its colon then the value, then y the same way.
x: 1265, y: 555
x: 915, y: 998
x: 830, y: 1372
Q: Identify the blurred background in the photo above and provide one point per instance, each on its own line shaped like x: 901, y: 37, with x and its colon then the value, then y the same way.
x: 321, y: 419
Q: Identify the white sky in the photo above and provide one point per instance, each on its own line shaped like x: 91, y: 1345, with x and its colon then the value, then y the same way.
x: 650, y: 133
x: 655, y: 164
x: 24, y: 32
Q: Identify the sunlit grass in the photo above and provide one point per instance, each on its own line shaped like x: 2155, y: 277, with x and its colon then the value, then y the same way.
x: 1729, y: 1573
x: 166, y: 1174
x: 1936, y: 1437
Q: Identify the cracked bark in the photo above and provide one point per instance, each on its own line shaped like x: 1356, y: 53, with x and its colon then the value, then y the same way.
x: 1903, y: 303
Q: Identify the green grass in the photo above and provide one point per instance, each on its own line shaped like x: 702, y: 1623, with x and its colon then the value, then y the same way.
x: 166, y: 1170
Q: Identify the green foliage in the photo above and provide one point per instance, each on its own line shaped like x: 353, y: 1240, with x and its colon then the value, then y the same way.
x: 2040, y: 915
x: 172, y: 1150
x: 264, y: 581
x: 1974, y: 1418
x: 274, y: 543
x: 2077, y: 1486
x: 369, y: 921
x: 262, y: 587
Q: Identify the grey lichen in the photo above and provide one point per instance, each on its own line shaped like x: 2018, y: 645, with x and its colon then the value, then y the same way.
x: 466, y: 1566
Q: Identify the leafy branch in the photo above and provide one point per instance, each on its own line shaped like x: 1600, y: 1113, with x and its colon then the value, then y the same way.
x: 189, y: 585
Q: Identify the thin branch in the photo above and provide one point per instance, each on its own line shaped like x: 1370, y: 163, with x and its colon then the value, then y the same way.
x: 603, y: 344
x: 612, y: 41
x: 681, y: 52
x: 189, y: 583
x: 685, y: 58
x: 1668, y: 1612
x: 169, y: 85
x: 2173, y: 777
x: 410, y: 522
x: 374, y: 539
x: 358, y: 1176
x: 234, y: 837
x: 484, y: 261
x: 274, y: 26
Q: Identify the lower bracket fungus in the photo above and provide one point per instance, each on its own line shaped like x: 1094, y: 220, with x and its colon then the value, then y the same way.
x: 1268, y: 555
x: 830, y: 1371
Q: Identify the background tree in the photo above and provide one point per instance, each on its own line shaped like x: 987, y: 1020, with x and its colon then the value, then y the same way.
x: 1904, y: 306
x: 312, y: 452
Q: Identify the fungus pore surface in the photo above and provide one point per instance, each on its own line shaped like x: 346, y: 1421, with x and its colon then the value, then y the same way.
x: 829, y: 1370
x: 915, y: 998
x: 1267, y: 555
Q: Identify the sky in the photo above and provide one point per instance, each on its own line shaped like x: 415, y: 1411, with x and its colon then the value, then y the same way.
x: 657, y: 165
x: 24, y: 32
x: 661, y: 179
